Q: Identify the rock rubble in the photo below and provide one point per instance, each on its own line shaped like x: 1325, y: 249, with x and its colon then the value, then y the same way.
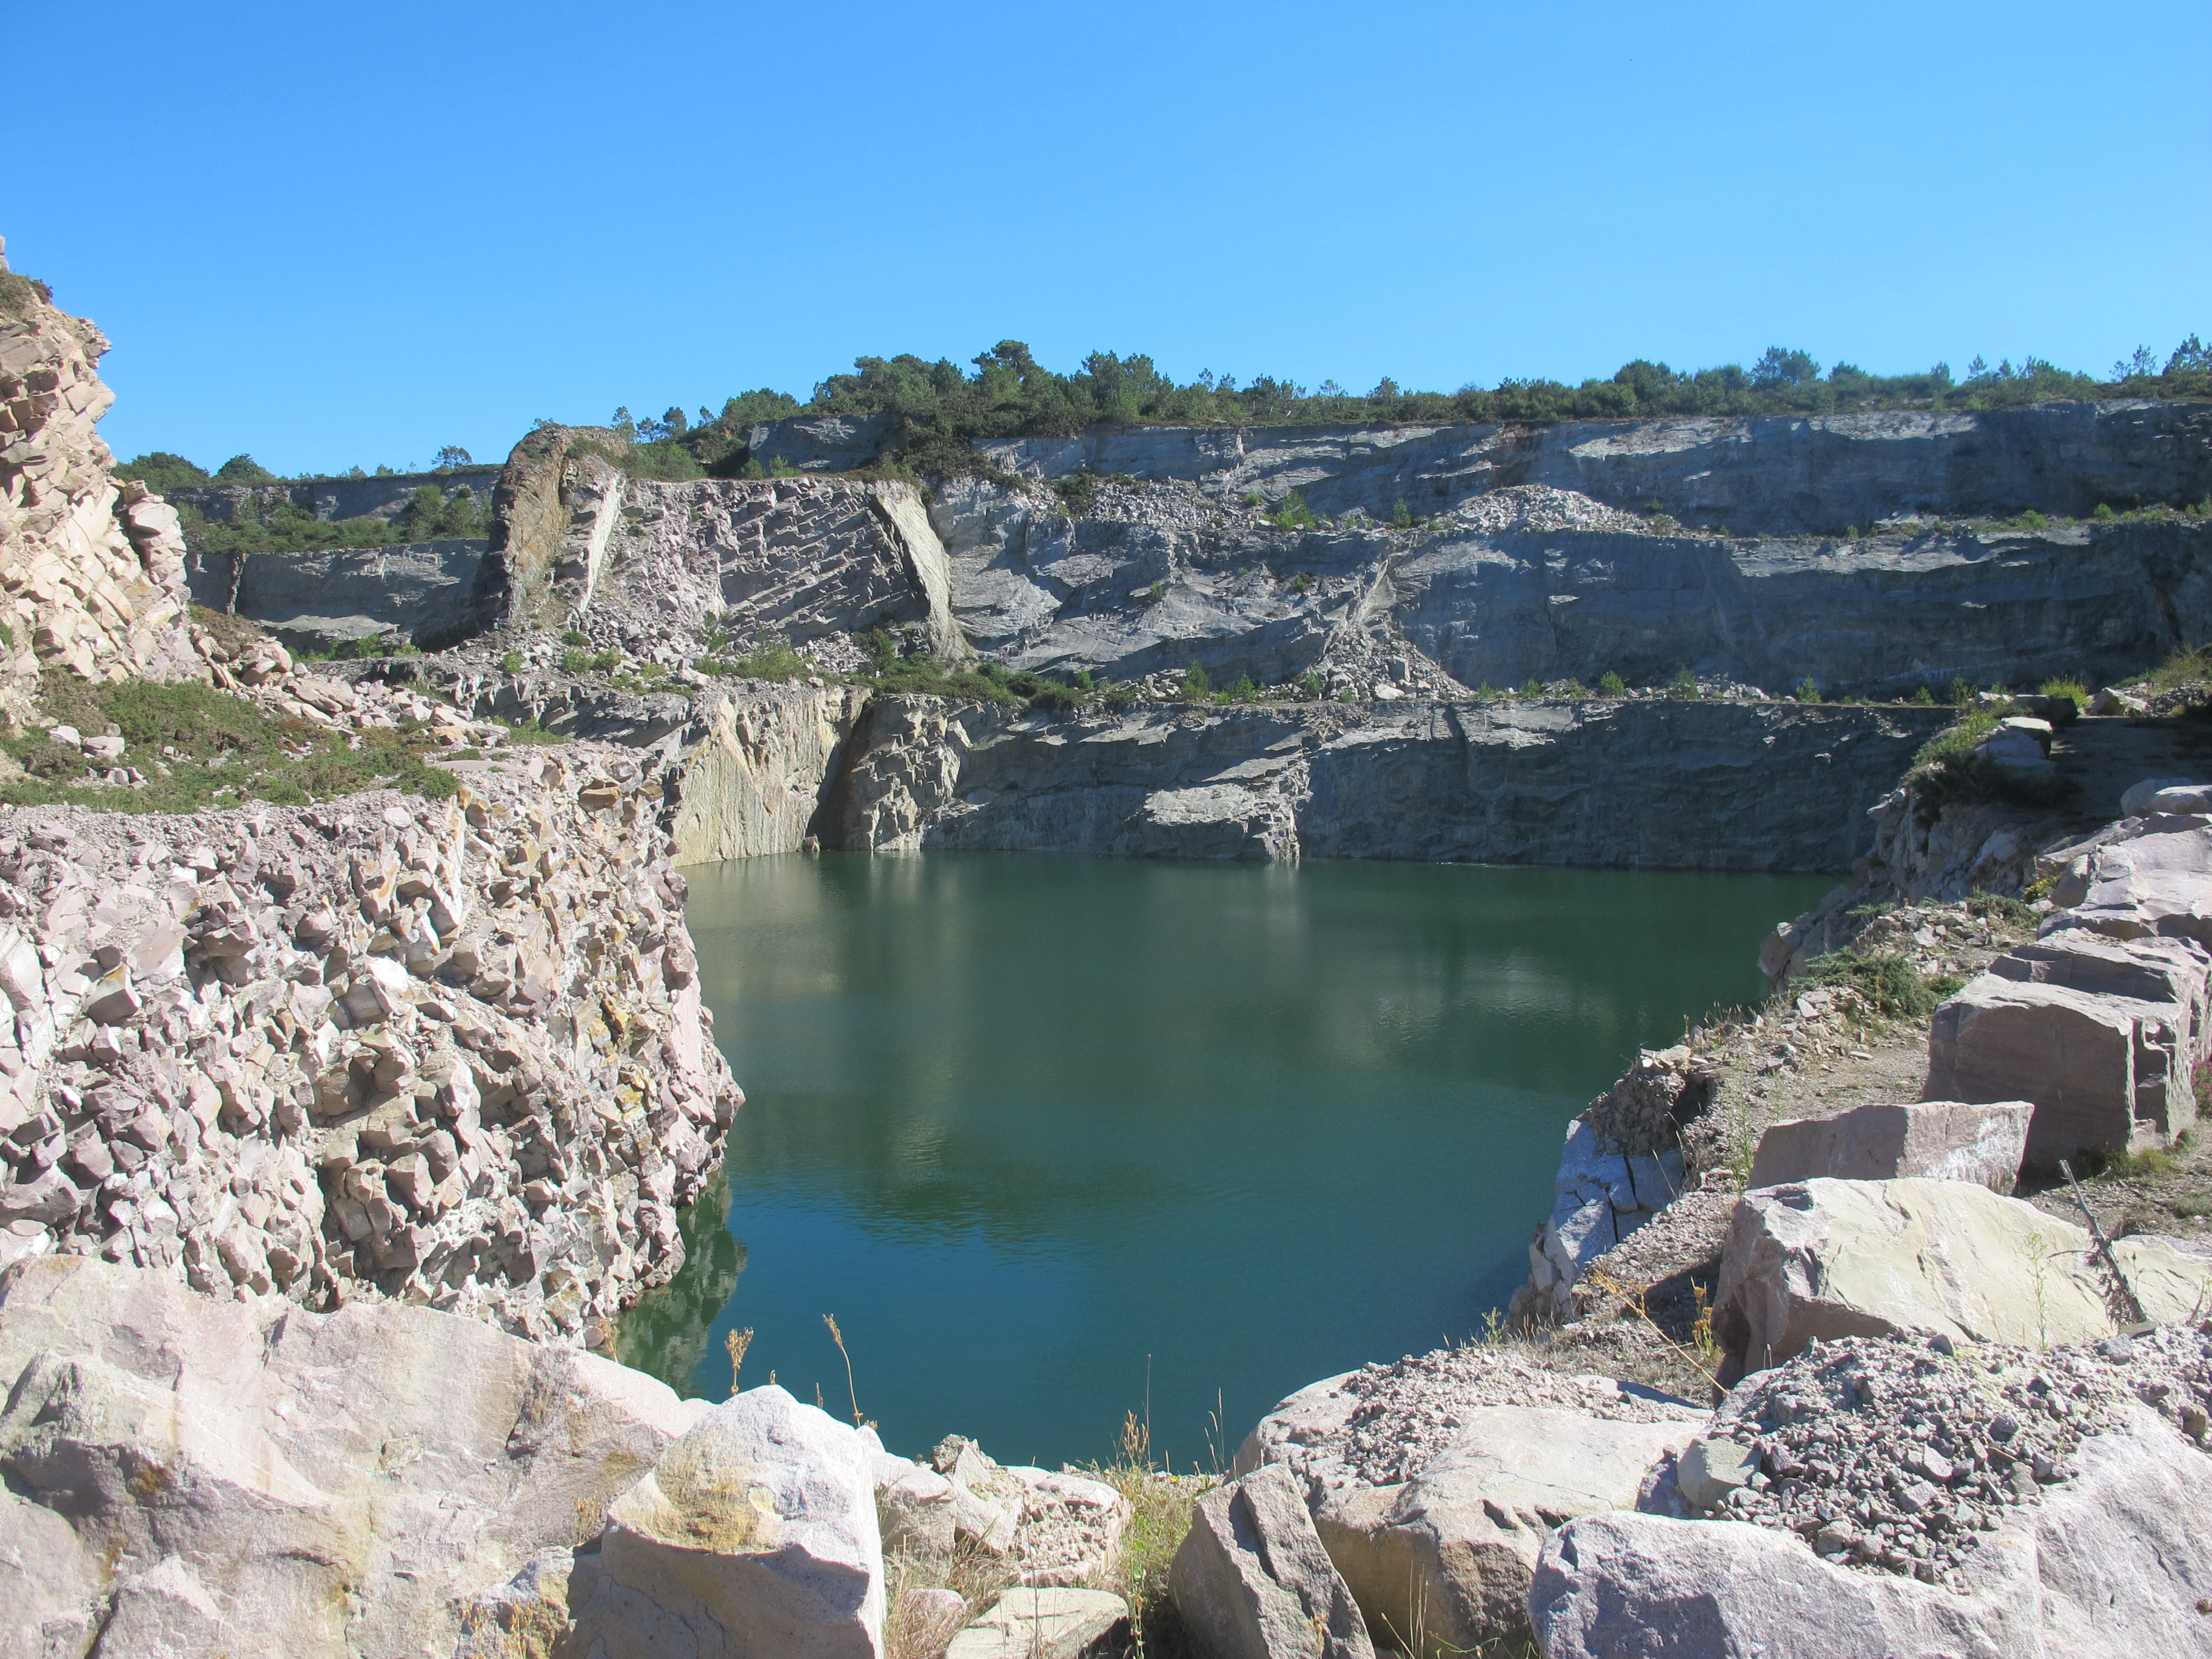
x: 450, y: 1051
x: 1897, y: 1456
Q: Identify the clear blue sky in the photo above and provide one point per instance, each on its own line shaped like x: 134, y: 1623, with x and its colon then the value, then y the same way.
x: 331, y: 234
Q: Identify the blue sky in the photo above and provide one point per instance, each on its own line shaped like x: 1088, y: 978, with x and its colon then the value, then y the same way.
x: 332, y: 234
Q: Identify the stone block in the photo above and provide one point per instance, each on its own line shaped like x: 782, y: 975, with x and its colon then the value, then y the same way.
x: 1045, y: 1624
x: 753, y: 1537
x: 1826, y: 1259
x: 2104, y: 1072
x: 1451, y: 1555
x: 1252, y: 1580
x: 2139, y: 797
x: 1942, y: 1139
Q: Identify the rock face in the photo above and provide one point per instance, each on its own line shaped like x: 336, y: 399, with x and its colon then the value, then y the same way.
x: 447, y: 1051
x: 1252, y: 1579
x: 754, y: 1537
x: 91, y: 575
x: 316, y: 601
x: 756, y: 782
x: 1942, y: 1140
x: 186, y: 1475
x: 1825, y: 1259
x: 1659, y: 784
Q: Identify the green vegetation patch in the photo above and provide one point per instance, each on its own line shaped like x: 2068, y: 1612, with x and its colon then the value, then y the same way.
x: 223, y: 751
x: 1889, y: 984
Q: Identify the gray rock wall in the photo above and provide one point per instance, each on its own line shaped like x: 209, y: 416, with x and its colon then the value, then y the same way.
x: 1537, y: 581
x: 1654, y: 785
x: 1767, y: 475
x: 328, y: 596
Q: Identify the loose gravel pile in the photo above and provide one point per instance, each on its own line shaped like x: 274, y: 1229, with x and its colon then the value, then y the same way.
x: 1895, y: 1455
x: 1409, y: 1411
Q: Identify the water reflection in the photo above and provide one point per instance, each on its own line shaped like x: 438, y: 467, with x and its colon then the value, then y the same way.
x: 1022, y: 1122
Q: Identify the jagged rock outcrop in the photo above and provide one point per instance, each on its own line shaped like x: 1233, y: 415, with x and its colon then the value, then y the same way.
x: 91, y: 574
x: 557, y: 505
x: 446, y: 1051
x: 1660, y: 784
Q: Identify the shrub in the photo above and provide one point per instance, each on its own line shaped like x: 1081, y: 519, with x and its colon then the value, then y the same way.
x: 1078, y: 490
x: 1807, y: 690
x: 510, y: 662
x: 1684, y: 684
x: 1889, y: 982
x: 1611, y: 685
x: 1532, y: 689
x: 1195, y: 685
x: 1293, y: 514
x: 1924, y: 698
x: 575, y: 637
x: 1309, y: 686
x: 1401, y: 514
x: 2189, y: 666
x: 2077, y: 693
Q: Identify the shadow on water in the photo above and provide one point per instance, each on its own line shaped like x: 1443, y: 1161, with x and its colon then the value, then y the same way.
x: 1057, y: 1138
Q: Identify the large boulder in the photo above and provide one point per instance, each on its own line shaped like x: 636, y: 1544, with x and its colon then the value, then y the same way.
x: 1434, y: 1481
x: 188, y: 1476
x: 2155, y: 881
x: 1253, y: 1581
x: 754, y: 1537
x: 2104, y: 1072
x: 2114, y: 1564
x: 1823, y: 1259
x: 1443, y: 1562
x: 1943, y: 1139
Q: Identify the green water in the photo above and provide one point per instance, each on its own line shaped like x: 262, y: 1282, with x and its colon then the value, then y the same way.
x: 1053, y: 1136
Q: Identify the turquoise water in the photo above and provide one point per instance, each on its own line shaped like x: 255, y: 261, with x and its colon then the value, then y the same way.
x: 1056, y: 1138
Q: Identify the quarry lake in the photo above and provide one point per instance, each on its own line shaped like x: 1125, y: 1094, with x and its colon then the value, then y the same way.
x: 1057, y: 1139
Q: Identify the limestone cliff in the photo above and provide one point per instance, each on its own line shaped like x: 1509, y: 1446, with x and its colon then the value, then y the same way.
x: 91, y: 574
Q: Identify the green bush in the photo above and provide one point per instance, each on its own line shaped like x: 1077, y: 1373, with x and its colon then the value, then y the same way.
x: 1195, y: 685
x: 1532, y: 688
x: 1401, y: 514
x: 1684, y: 684
x: 1890, y: 983
x: 1924, y: 698
x: 1611, y: 685
x: 1293, y: 514
x: 2072, y: 690
x: 1807, y: 690
x: 510, y: 662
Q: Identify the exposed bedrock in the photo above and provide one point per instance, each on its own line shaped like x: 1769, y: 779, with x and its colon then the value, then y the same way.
x: 330, y: 596
x: 1536, y: 581
x: 1656, y: 784
x: 1762, y: 475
